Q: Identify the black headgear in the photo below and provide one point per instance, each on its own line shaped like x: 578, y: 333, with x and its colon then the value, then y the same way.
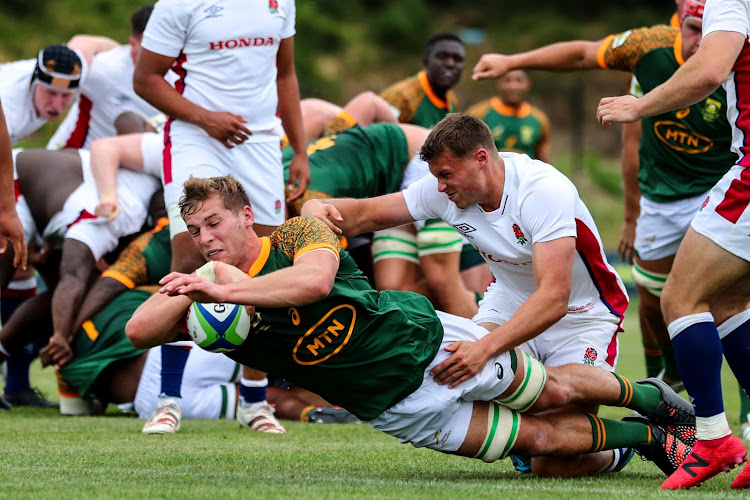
x: 58, y: 67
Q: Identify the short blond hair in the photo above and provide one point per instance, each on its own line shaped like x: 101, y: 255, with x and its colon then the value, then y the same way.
x: 198, y: 190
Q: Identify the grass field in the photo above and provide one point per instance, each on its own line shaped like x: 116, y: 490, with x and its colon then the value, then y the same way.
x: 45, y: 455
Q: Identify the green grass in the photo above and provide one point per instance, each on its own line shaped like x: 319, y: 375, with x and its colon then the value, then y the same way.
x: 45, y: 455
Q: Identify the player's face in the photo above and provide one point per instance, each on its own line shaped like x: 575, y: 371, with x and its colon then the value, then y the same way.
x: 513, y: 87
x: 444, y: 64
x: 50, y: 103
x: 692, y: 33
x: 220, y: 234
x: 458, y: 178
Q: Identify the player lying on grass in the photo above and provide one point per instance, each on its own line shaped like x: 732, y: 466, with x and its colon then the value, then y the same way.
x: 317, y: 321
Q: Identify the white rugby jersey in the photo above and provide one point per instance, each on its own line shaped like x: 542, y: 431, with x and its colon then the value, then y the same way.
x: 106, y: 93
x: 538, y: 204
x: 225, y: 56
x: 16, y: 98
x: 734, y: 15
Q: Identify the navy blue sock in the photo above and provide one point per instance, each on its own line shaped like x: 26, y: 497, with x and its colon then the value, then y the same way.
x: 698, y: 352
x: 252, y: 394
x: 736, y: 346
x: 17, y: 378
x: 9, y: 304
x: 173, y: 359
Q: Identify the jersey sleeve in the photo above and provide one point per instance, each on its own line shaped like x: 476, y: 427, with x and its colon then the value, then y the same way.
x: 727, y: 15
x: 130, y: 268
x: 423, y: 199
x: 403, y: 97
x: 623, y: 50
x: 300, y: 235
x: 548, y: 209
x: 167, y: 28
x: 288, y: 30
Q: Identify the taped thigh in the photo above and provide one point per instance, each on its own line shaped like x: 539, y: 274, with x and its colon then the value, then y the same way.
x: 394, y: 244
x: 651, y: 281
x: 531, y: 386
x: 438, y: 237
x: 502, y: 431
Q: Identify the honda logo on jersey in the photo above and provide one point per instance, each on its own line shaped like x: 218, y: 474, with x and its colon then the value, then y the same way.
x: 257, y: 41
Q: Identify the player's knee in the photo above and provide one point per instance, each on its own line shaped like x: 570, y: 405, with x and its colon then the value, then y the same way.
x: 557, y: 392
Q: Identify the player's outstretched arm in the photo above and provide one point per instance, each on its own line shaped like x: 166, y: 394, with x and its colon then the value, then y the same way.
x: 351, y: 217
x: 695, y: 80
x: 107, y: 156
x: 158, y: 320
x: 563, y: 56
x: 553, y: 270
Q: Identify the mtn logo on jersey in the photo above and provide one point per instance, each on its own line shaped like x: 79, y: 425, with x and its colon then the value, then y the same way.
x: 680, y: 138
x: 257, y: 41
x: 327, y: 337
x: 520, y: 237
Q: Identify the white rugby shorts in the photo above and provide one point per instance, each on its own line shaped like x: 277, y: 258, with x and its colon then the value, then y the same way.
x: 724, y: 217
x: 435, y: 416
x: 661, y: 226
x: 256, y: 165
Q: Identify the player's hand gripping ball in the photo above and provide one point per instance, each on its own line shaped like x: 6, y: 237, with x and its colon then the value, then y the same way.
x: 218, y: 327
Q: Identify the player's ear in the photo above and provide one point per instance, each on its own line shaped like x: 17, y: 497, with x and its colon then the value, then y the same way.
x: 248, y: 216
x: 481, y: 156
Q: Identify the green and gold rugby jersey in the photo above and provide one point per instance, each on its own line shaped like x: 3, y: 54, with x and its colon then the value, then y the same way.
x: 418, y: 103
x: 360, y: 162
x: 146, y: 260
x: 683, y: 153
x: 358, y: 348
x: 524, y: 129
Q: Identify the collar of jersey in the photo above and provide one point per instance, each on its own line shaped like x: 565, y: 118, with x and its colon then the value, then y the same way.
x: 265, y: 251
x: 678, y: 49
x: 425, y: 83
x: 521, y: 111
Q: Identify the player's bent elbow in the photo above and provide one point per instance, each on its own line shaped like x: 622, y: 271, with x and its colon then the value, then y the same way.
x: 137, y: 333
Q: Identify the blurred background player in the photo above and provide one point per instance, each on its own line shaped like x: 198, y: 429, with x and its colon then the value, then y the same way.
x: 705, y: 297
x: 516, y: 125
x: 682, y: 153
x: 107, y: 92
x: 35, y: 91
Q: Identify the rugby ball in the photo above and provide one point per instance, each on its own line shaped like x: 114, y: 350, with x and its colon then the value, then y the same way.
x: 218, y: 327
